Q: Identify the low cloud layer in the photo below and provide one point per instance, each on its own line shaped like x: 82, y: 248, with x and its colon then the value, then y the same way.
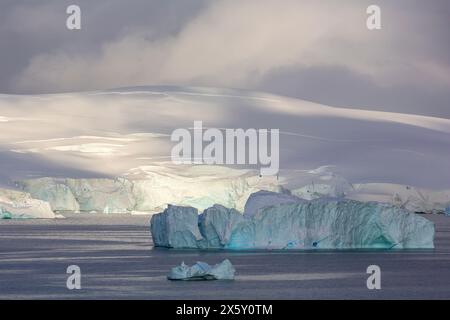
x: 269, y: 45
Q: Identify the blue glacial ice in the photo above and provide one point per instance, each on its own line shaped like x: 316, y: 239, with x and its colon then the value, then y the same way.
x: 203, y: 271
x: 447, y: 211
x: 216, y: 225
x: 324, y: 223
x: 176, y: 227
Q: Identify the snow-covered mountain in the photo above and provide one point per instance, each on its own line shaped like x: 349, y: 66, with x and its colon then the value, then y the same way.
x: 126, y: 133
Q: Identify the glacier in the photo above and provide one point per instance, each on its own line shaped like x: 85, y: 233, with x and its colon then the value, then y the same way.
x: 325, y: 223
x: 403, y: 196
x: 203, y: 271
x: 112, y: 166
x: 150, y: 188
x: 19, y: 205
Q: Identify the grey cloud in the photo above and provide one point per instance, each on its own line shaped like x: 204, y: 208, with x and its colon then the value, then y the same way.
x: 29, y: 29
x: 340, y: 87
x: 315, y: 50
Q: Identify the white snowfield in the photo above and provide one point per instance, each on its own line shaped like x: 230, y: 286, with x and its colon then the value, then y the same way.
x: 20, y: 205
x: 316, y: 224
x: 109, y: 151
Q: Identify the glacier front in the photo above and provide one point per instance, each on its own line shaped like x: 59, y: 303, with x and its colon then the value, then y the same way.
x: 20, y: 205
x: 151, y: 188
x: 324, y: 223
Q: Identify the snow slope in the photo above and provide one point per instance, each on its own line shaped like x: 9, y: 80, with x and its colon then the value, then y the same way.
x: 125, y: 133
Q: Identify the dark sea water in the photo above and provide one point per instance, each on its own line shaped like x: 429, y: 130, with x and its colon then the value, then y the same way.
x: 118, y: 261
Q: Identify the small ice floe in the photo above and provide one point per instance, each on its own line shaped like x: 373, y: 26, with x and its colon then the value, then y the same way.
x: 203, y: 271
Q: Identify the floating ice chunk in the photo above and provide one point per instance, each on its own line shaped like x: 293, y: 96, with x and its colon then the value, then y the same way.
x: 176, y: 227
x: 261, y: 199
x: 203, y: 271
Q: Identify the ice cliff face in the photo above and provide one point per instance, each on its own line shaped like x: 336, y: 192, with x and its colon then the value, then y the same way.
x: 100, y: 195
x: 55, y: 191
x: 20, y: 205
x: 151, y: 189
x: 315, y: 224
x: 216, y: 224
x: 329, y: 224
x: 176, y: 228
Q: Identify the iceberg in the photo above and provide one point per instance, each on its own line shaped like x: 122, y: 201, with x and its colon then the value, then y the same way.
x: 447, y: 211
x: 325, y: 223
x: 216, y: 224
x: 203, y: 271
x: 19, y: 205
x: 176, y: 227
x: 263, y: 198
x: 319, y: 183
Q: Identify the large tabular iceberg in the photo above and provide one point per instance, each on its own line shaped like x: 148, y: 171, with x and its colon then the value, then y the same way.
x: 315, y: 224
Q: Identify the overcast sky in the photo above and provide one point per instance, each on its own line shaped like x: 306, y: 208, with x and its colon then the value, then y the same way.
x: 314, y: 50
